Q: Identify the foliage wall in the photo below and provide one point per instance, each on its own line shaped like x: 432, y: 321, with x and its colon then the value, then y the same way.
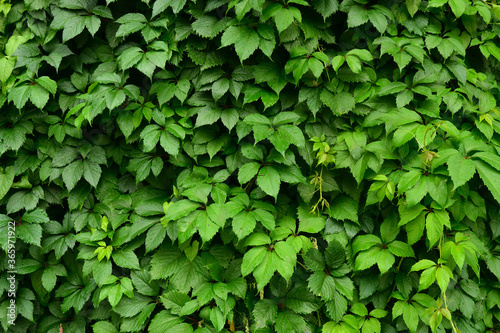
x: 250, y: 165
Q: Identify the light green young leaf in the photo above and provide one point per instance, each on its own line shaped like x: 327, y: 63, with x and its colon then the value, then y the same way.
x: 326, y: 7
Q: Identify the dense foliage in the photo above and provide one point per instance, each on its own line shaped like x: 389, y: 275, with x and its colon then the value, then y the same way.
x: 250, y: 165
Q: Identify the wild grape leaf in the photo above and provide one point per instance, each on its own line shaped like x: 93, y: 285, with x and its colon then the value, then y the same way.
x: 322, y: 284
x: 339, y: 103
x: 127, y: 259
x: 247, y: 171
x: 91, y: 172
x: 160, y: 6
x: 243, y: 224
x: 264, y: 313
x: 490, y: 177
x: 206, y: 227
x: 72, y: 174
x: 344, y: 208
x: 6, y: 180
x: 269, y: 181
x: 325, y: 7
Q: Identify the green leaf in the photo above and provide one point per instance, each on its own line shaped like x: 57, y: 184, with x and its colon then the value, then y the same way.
x: 229, y: 118
x: 104, y: 327
x: 409, y: 180
x: 6, y: 67
x: 357, y: 16
x: 288, y: 321
x: 392, y: 88
x: 412, y: 6
x: 340, y: 103
x: 366, y: 259
x: 434, y: 228
x: 264, y: 313
x: 47, y: 83
x: 325, y: 8
x: 6, y: 180
x: 257, y: 239
x: 364, y: 242
x: 30, y: 233
x: 206, y: 227
x: 457, y: 7
x: 219, y: 88
x: 160, y: 6
x: 155, y: 236
x: 27, y: 266
x: 344, y: 208
x: 91, y: 172
x: 385, y: 260
x: 310, y: 223
x: 38, y: 96
x: 165, y: 321
x: 19, y: 95
x: 247, y: 172
x: 49, y: 279
x: 269, y: 181
x: 490, y: 177
x: 36, y: 216
x: 130, y: 57
x: 243, y: 224
x: 265, y: 269
x: 73, y: 28
x: 130, y: 23
x: 401, y: 249
x: 127, y: 259
x: 180, y: 209
x: 443, y: 275
x: 422, y: 264
x: 72, y: 174
x: 322, y: 285
x: 284, y: 18
x: 410, y: 316
x: 245, y: 39
x: 252, y: 259
x: 461, y: 169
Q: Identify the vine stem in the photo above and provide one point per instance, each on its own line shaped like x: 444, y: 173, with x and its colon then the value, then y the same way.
x: 445, y: 299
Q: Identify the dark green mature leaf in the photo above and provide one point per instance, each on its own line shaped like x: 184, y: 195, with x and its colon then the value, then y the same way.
x: 344, y: 208
x: 490, y: 178
x: 340, y: 103
x: 160, y: 6
x: 6, y: 180
x: 326, y: 8
x: 265, y: 312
